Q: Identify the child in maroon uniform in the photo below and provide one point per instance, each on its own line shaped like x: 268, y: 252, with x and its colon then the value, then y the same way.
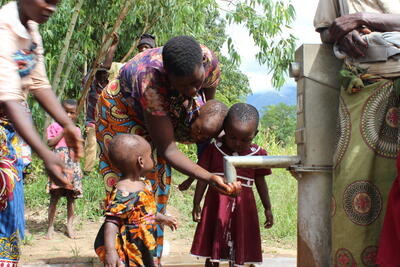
x: 228, y: 228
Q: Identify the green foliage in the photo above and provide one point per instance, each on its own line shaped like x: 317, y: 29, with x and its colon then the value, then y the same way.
x: 280, y: 119
x: 86, y: 208
x: 202, y: 19
x: 234, y: 86
x: 268, y: 29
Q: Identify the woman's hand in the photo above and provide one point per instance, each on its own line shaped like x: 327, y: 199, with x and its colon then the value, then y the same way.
x: 112, y: 259
x: 56, y: 169
x: 345, y: 24
x: 230, y: 189
x: 74, y: 141
x: 353, y: 45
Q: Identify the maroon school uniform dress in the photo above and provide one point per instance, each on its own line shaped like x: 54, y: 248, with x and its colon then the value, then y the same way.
x: 389, y: 244
x: 229, y: 228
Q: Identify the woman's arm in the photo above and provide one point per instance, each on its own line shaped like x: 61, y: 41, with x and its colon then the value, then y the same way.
x: 24, y: 126
x: 164, y: 141
x: 344, y: 30
x: 375, y: 21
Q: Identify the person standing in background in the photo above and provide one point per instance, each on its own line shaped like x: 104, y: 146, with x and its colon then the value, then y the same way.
x: 147, y: 41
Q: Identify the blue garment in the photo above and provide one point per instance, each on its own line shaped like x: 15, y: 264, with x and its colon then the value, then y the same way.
x: 12, y: 224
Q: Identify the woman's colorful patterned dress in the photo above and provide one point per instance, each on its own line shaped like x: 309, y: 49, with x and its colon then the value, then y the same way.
x: 142, y: 85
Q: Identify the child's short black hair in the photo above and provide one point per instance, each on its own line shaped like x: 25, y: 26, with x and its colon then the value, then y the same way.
x: 70, y: 102
x: 181, y: 55
x: 243, y: 112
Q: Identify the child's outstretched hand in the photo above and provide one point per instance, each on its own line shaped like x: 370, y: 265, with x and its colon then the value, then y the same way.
x: 112, y: 259
x: 167, y: 220
x: 269, y: 219
x: 185, y: 184
x: 196, y: 213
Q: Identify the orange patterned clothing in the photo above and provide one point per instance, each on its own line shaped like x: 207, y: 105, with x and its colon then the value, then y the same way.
x: 134, y: 213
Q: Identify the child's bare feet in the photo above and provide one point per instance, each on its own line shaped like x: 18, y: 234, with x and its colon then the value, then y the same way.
x: 71, y: 233
x: 50, y: 233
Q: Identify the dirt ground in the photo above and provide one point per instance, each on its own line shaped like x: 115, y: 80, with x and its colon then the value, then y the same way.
x: 61, y: 249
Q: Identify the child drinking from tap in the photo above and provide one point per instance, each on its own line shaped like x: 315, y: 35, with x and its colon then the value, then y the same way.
x: 228, y: 228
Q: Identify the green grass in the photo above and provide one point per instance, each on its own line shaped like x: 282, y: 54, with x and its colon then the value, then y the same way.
x: 282, y: 188
x: 86, y: 208
x: 283, y: 193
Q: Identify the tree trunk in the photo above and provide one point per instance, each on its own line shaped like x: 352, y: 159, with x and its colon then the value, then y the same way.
x: 66, y: 76
x: 67, y: 40
x: 100, y: 54
x: 67, y: 72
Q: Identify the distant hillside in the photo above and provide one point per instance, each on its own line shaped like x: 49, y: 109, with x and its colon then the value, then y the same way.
x: 286, y: 94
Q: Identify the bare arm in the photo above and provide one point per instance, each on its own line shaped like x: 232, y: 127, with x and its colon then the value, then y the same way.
x: 374, y: 21
x: 111, y: 52
x: 325, y: 36
x: 262, y: 190
x: 199, y: 192
x: 345, y: 30
x: 198, y: 196
x: 167, y: 220
x: 164, y: 141
x: 24, y: 126
x: 110, y: 234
